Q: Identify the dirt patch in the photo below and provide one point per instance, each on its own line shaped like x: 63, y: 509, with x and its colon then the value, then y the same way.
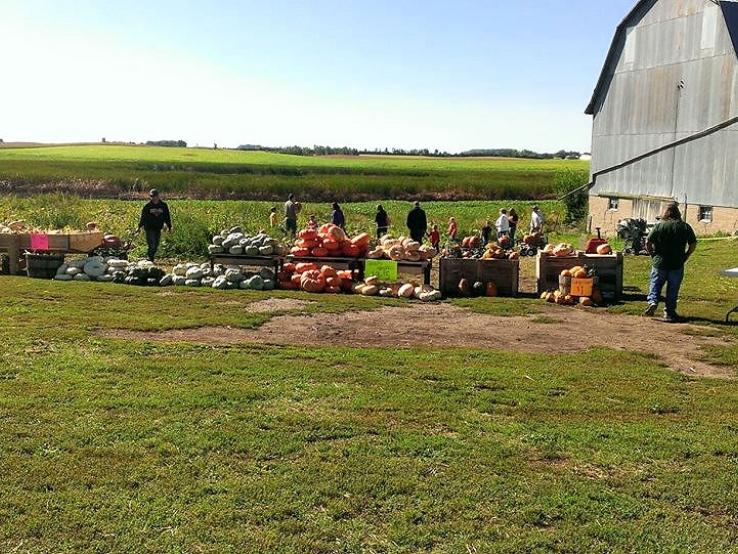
x: 445, y: 325
x: 272, y: 305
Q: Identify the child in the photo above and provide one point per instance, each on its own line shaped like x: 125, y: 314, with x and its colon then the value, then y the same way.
x: 453, y: 229
x: 272, y: 217
x: 313, y: 223
x: 487, y: 232
x: 435, y: 237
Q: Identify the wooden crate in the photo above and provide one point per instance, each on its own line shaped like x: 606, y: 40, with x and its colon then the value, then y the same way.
x: 609, y: 270
x: 503, y: 273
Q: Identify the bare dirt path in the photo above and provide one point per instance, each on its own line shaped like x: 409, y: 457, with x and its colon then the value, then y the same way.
x: 444, y: 325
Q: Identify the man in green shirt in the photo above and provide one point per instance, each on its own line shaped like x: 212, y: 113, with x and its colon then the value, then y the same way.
x: 671, y: 243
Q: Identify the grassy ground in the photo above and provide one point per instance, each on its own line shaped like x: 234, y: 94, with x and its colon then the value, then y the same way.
x: 112, y: 171
x: 124, y: 446
x: 195, y: 221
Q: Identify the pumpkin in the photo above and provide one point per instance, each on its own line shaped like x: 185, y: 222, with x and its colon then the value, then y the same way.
x: 370, y: 290
x: 566, y: 273
x: 289, y: 267
x: 464, y: 287
x: 345, y: 274
x: 312, y: 281
x: 351, y: 250
x: 335, y: 282
x: 492, y: 289
x: 308, y: 234
x: 479, y: 289
x: 504, y: 241
x: 308, y: 243
x: 331, y: 245
x: 307, y: 266
x: 585, y: 301
x: 328, y: 271
x: 580, y: 274
x: 299, y: 252
x: 604, y: 250
x: 361, y: 240
x: 514, y: 256
x: 332, y: 290
x: 336, y: 234
x: 406, y: 291
x: 295, y: 279
x: 372, y: 281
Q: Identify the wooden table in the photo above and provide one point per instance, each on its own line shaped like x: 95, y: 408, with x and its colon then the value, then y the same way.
x: 505, y: 274
x: 81, y: 242
x: 733, y: 274
x: 609, y: 269
x: 416, y: 268
x: 274, y: 262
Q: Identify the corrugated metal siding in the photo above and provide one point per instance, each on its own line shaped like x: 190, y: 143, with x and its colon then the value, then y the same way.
x: 644, y: 108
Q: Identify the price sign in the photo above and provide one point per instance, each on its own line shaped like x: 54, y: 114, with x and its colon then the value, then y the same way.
x: 384, y: 270
x: 39, y: 242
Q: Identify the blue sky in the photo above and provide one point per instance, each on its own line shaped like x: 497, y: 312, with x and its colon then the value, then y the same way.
x: 447, y: 75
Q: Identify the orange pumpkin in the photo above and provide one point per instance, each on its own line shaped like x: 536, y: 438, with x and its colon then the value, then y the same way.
x: 320, y: 252
x: 300, y: 252
x: 331, y: 244
x: 289, y: 267
x: 303, y: 243
x: 303, y: 267
x: 295, y: 280
x: 604, y: 250
x: 351, y: 250
x: 286, y: 285
x: 308, y: 234
x: 334, y: 282
x: 492, y: 289
x: 328, y: 271
x: 312, y: 281
x: 346, y: 274
x: 361, y: 240
x: 333, y: 290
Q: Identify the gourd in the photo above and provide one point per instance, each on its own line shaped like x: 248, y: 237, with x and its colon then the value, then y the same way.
x: 312, y: 281
x: 268, y: 284
x: 166, y: 280
x: 179, y: 270
x: 351, y: 249
x: 251, y: 251
x: 234, y: 275
x: 370, y: 290
x: 604, y: 249
x: 194, y: 273
x: 179, y: 280
x: 192, y: 282
x: 479, y: 289
x: 361, y: 240
x: 63, y: 277
x: 492, y: 290
x: 585, y: 301
x: 81, y: 277
x: 235, y: 250
x: 406, y: 291
x: 464, y: 287
x: 432, y: 296
x: 220, y: 283
x: 215, y: 249
x: 372, y: 280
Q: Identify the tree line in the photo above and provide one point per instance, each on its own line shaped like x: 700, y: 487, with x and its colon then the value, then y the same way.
x: 318, y: 150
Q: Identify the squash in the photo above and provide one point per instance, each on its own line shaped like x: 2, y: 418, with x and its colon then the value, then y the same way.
x: 406, y: 291
x: 465, y: 287
x: 479, y: 289
x: 580, y: 274
x: 585, y: 301
x: 370, y: 290
x: 372, y: 281
x: 361, y: 240
x: 312, y: 281
x: 335, y: 282
x: 604, y: 250
x: 328, y: 271
x: 492, y: 290
x: 566, y: 273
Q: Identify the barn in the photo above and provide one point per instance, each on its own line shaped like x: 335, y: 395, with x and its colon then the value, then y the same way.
x: 665, y: 116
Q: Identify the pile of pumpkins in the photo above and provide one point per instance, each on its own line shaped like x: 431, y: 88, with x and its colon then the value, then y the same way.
x: 111, y: 270
x: 373, y: 287
x: 235, y: 241
x: 562, y: 250
x: 220, y: 277
x: 329, y: 241
x: 401, y: 249
x: 471, y: 249
x: 562, y: 296
x: 310, y: 277
x: 478, y: 288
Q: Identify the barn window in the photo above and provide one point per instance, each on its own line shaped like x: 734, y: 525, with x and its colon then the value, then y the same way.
x: 613, y: 204
x: 705, y: 214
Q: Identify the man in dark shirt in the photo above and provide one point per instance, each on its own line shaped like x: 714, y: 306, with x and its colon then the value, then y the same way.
x: 154, y: 216
x: 382, y: 221
x: 417, y: 223
x: 671, y: 243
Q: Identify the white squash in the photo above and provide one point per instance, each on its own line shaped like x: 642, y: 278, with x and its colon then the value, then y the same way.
x: 406, y: 291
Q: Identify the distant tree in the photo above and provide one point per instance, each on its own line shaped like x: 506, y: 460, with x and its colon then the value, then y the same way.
x: 167, y: 143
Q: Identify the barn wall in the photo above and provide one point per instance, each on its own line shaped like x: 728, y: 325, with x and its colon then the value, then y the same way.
x: 644, y: 107
x: 725, y: 220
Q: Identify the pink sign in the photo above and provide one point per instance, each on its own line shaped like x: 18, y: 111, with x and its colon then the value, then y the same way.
x: 39, y: 242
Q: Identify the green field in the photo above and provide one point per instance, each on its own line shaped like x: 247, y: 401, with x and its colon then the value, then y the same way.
x: 115, y: 171
x: 195, y: 221
x: 127, y: 445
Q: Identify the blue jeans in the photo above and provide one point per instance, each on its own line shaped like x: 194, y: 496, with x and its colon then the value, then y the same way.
x: 672, y: 278
x: 153, y: 237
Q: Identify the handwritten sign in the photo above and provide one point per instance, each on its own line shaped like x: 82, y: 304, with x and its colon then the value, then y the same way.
x: 39, y: 242
x: 384, y: 270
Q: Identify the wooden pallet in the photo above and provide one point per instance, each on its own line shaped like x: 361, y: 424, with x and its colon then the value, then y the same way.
x: 609, y: 270
x: 503, y: 273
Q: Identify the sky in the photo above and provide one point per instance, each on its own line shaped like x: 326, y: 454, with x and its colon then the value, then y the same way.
x: 398, y: 74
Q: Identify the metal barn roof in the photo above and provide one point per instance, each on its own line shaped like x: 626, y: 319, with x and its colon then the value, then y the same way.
x: 730, y: 14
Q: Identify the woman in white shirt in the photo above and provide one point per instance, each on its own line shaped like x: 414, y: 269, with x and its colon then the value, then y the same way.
x: 502, y: 224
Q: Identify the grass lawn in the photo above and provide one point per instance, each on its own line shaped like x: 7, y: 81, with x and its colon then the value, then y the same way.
x: 113, y: 171
x: 111, y: 445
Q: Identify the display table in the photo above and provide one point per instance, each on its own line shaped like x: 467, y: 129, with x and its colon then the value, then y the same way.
x: 609, y: 269
x: 358, y: 264
x: 63, y: 243
x: 732, y: 274
x: 274, y: 262
x: 505, y: 274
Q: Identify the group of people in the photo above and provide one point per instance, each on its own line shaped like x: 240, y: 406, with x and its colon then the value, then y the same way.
x: 670, y: 243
